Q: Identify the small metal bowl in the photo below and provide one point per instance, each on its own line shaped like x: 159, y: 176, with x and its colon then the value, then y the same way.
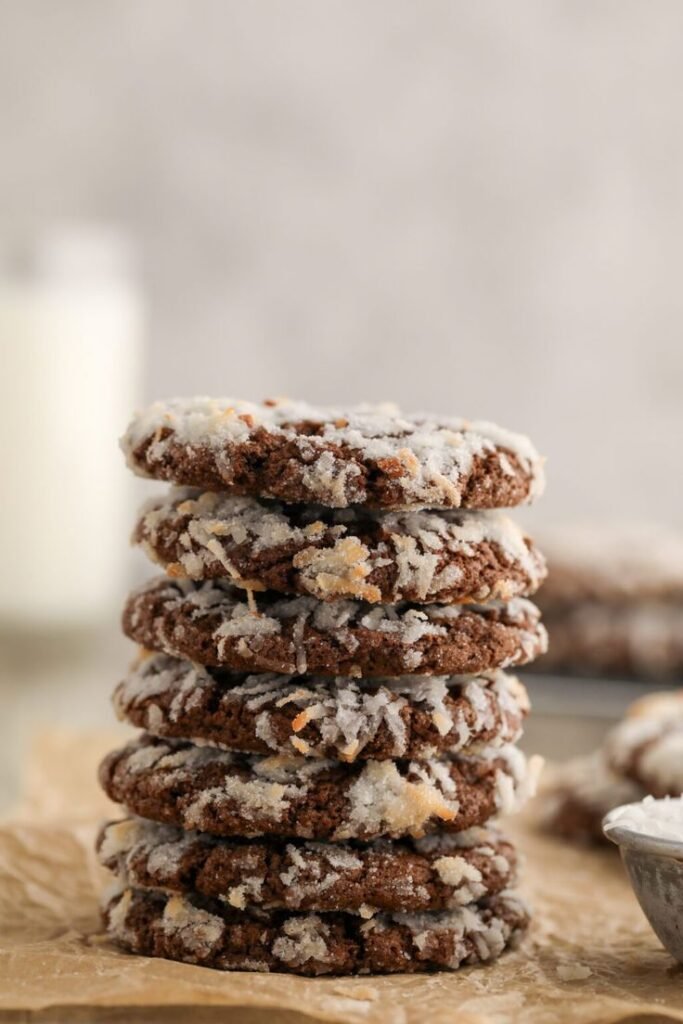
x: 655, y: 868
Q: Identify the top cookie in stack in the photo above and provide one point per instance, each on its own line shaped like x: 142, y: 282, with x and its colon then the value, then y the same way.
x: 334, y: 555
x: 369, y: 455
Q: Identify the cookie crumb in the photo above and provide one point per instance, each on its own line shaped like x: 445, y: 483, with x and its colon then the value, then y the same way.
x: 573, y: 971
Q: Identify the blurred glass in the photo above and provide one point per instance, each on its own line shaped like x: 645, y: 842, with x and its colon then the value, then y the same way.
x: 71, y: 347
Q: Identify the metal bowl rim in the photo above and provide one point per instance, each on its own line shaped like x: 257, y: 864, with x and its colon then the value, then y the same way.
x: 639, y: 841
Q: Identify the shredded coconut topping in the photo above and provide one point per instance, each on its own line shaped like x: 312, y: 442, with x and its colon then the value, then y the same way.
x: 145, y: 854
x: 336, y: 550
x: 246, y: 628
x: 345, y: 714
x: 305, y: 938
x: 488, y: 933
x: 380, y: 797
x: 451, y: 937
x: 658, y: 819
x: 429, y: 458
x: 200, y: 931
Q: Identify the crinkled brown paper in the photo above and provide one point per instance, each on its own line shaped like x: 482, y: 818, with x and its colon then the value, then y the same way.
x: 56, y: 965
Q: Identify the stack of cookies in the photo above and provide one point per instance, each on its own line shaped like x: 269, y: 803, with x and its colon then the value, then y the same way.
x: 328, y: 725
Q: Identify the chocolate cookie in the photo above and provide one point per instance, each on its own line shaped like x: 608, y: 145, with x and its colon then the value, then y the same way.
x: 226, y: 794
x: 578, y: 794
x: 372, y: 455
x: 433, y: 873
x: 618, y: 564
x: 643, y: 641
x: 210, y: 623
x: 413, y: 716
x: 201, y: 931
x: 649, y: 749
x: 331, y: 553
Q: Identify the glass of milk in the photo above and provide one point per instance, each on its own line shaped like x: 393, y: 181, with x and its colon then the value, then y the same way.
x: 71, y: 346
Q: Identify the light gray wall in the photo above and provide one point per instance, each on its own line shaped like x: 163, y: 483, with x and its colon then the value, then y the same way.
x: 475, y: 207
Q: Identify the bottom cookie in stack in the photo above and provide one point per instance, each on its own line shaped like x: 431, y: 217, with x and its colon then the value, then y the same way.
x: 311, y: 908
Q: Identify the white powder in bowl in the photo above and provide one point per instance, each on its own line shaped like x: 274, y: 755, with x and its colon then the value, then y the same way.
x: 659, y: 819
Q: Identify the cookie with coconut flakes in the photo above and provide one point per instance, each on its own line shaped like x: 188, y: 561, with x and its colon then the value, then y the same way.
x: 449, y: 556
x: 211, y: 623
x: 647, y: 747
x: 413, y: 716
x: 228, y: 794
x: 368, y: 454
x: 640, y: 756
x: 643, y: 641
x: 616, y: 565
x: 206, y: 932
x: 576, y: 795
x: 433, y: 873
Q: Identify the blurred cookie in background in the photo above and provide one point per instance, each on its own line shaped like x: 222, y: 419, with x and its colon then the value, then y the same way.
x: 647, y: 747
x: 577, y: 795
x: 641, y: 756
x: 613, y: 602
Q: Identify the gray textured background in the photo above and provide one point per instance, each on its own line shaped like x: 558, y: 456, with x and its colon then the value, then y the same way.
x: 474, y: 207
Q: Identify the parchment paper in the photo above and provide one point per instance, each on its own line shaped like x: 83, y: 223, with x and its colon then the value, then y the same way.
x: 56, y: 965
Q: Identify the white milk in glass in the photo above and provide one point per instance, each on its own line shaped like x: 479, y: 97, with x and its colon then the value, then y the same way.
x: 70, y: 365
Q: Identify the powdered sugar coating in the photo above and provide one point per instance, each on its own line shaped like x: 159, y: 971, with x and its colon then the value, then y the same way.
x: 341, y: 718
x: 382, y: 556
x: 296, y: 635
x: 364, y: 454
x: 229, y: 794
x: 152, y: 922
